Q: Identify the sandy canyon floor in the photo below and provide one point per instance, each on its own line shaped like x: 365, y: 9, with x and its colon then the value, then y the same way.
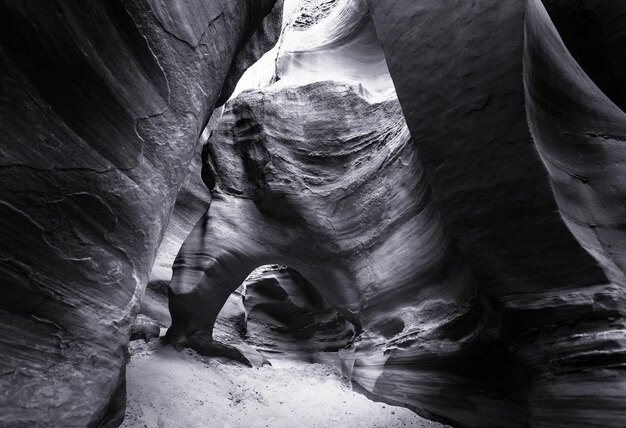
x: 171, y: 389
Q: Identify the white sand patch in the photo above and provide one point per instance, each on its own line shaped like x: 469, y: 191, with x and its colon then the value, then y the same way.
x: 171, y: 389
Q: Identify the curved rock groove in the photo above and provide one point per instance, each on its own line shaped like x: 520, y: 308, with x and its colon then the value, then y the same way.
x: 101, y: 108
x: 528, y: 260
x: 445, y: 180
x: 585, y: 155
x: 322, y: 176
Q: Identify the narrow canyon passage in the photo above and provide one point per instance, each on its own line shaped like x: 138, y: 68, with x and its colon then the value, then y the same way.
x: 278, y: 313
x: 313, y: 213
x: 166, y: 388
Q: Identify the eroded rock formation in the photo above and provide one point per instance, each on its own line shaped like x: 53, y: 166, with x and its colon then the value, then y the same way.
x: 101, y: 105
x: 285, y: 314
x: 534, y: 251
x: 322, y: 176
x: 580, y: 136
x: 444, y: 181
x: 288, y: 177
x: 480, y: 262
x: 593, y: 33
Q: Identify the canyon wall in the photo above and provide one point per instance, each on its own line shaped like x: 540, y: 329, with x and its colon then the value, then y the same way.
x: 483, y: 273
x: 594, y: 34
x: 580, y: 134
x: 520, y: 209
x: 101, y: 105
x: 313, y: 167
x: 439, y: 186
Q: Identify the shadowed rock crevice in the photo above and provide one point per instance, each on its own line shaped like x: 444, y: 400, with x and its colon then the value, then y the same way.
x: 593, y: 33
x: 285, y: 314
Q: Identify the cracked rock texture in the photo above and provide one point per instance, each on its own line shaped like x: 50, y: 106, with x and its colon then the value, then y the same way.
x: 101, y: 106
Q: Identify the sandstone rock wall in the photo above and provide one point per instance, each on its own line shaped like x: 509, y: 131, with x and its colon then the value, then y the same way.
x: 322, y: 176
x: 101, y: 105
x: 519, y: 208
x: 444, y: 179
x: 579, y: 134
x: 484, y: 272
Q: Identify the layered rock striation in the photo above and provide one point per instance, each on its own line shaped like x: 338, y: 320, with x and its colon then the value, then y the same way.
x: 480, y: 261
x: 323, y: 177
x: 579, y: 134
x: 101, y: 106
x: 438, y: 185
x: 535, y: 230
x: 337, y: 201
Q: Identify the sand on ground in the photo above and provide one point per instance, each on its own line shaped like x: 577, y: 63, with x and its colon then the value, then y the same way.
x: 170, y: 389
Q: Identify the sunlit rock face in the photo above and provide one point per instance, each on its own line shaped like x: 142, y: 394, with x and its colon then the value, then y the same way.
x: 534, y: 215
x: 483, y: 274
x: 101, y: 106
x: 310, y: 12
x: 342, y: 46
x: 339, y: 202
x: 192, y: 200
x: 322, y: 176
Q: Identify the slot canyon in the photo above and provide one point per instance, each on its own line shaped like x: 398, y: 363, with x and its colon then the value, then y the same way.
x: 313, y: 213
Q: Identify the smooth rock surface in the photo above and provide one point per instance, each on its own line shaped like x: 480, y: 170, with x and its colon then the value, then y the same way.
x: 580, y: 135
x: 483, y: 273
x: 520, y: 208
x: 595, y: 36
x: 101, y: 106
x: 322, y: 176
